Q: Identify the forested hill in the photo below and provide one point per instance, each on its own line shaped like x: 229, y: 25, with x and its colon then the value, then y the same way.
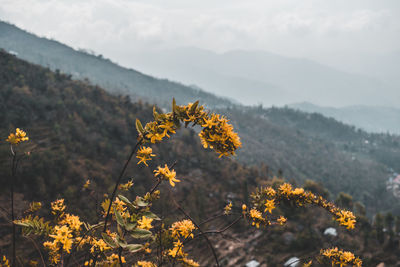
x: 82, y: 64
x: 304, y: 146
x: 78, y: 131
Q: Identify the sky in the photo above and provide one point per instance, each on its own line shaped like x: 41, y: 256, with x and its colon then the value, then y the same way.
x: 337, y: 33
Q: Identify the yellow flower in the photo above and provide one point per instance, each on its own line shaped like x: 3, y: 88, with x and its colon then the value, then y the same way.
x: 190, y: 262
x: 144, y: 154
x: 298, y: 191
x: 255, y: 214
x: 269, y: 205
x: 5, y: 262
x: 228, y: 208
x: 285, y: 189
x: 167, y: 174
x: 18, y: 137
x: 145, y: 223
x: 63, y: 236
x: 145, y: 264
x: 346, y: 218
x: 281, y: 220
x: 340, y: 257
x: 182, y: 228
x: 126, y: 186
x: 86, y: 185
x: 57, y: 206
x: 98, y: 245
x: 113, y: 260
x: 73, y: 222
x: 270, y: 191
x: 177, y: 250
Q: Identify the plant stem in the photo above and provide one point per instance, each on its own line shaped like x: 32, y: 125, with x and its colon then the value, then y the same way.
x: 13, y: 175
x: 119, y: 181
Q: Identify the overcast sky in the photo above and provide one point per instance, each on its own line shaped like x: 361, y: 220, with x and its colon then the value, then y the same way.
x: 331, y: 32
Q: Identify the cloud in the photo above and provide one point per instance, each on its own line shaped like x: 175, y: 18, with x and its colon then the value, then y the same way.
x: 307, y: 28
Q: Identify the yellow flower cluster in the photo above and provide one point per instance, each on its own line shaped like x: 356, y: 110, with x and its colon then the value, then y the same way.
x: 96, y: 245
x: 5, y: 262
x: 63, y: 233
x: 126, y: 186
x: 113, y: 260
x: 144, y: 154
x: 182, y: 229
x: 340, y: 257
x: 145, y: 264
x: 177, y: 250
x: 228, y: 209
x: 346, y: 218
x: 57, y: 207
x: 34, y: 206
x: 87, y: 184
x: 166, y: 174
x: 118, y: 205
x: 269, y: 197
x: 62, y: 241
x: 145, y: 223
x: 281, y: 220
x: 72, y: 221
x: 18, y: 137
x: 257, y: 217
x: 217, y: 133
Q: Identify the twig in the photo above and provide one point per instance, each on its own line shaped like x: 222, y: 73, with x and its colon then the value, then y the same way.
x: 119, y: 181
x: 38, y: 249
x: 221, y: 230
x: 198, y: 227
x: 13, y: 175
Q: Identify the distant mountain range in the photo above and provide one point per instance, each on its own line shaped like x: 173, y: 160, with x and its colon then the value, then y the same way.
x: 258, y: 77
x: 369, y: 118
x: 100, y: 71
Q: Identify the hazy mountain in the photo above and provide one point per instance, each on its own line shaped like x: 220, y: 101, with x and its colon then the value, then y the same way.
x: 369, y: 118
x: 254, y: 77
x: 101, y: 71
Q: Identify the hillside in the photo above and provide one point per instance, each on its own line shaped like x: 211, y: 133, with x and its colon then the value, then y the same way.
x: 78, y: 131
x: 304, y: 146
x: 371, y: 119
x: 100, y: 71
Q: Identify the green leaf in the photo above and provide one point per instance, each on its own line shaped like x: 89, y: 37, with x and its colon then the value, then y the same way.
x: 119, y: 218
x: 151, y: 215
x: 108, y: 240
x: 155, y: 114
x: 130, y: 226
x: 140, y: 202
x: 173, y: 107
x: 122, y: 243
x: 194, y: 106
x: 139, y: 127
x: 134, y: 247
x: 140, y: 233
x: 124, y: 199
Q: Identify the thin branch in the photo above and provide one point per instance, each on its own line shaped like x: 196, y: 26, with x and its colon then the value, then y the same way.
x: 212, y: 218
x: 13, y: 177
x: 119, y: 181
x: 38, y: 249
x: 198, y: 227
x: 221, y: 230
